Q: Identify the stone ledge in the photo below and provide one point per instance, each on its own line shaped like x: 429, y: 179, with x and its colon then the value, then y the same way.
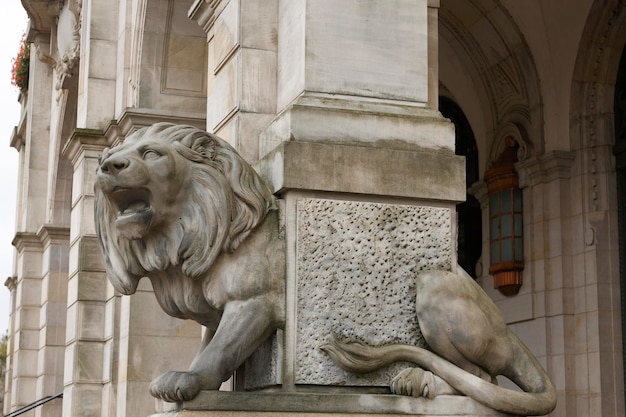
x: 308, y: 404
x: 365, y: 170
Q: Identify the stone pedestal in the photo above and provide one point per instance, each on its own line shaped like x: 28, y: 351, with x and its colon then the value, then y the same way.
x: 309, y: 404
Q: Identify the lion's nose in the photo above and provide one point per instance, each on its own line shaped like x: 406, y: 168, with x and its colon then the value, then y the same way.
x: 114, y: 165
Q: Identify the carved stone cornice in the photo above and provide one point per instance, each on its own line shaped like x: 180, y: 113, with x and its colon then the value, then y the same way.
x: 545, y: 168
x: 26, y: 240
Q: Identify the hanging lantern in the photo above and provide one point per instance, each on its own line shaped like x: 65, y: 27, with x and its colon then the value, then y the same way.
x: 505, y: 221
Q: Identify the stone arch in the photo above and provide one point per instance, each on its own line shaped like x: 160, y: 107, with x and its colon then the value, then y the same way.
x: 592, y: 138
x: 500, y: 69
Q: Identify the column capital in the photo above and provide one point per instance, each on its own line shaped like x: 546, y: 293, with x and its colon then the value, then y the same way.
x: 49, y: 234
x: 26, y: 240
x: 84, y: 141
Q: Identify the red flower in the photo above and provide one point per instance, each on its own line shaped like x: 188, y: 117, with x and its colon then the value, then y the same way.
x: 20, y: 66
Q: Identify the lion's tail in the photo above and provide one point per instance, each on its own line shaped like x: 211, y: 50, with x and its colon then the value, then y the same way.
x: 357, y: 357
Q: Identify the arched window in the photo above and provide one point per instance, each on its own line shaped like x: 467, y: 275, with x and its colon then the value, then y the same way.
x: 469, y: 213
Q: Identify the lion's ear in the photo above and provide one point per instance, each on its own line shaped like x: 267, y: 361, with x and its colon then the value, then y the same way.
x: 205, y: 146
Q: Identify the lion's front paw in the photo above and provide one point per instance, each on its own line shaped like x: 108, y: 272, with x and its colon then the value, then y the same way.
x: 175, y: 386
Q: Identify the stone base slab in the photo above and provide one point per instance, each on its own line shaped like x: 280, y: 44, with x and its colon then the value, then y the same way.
x: 309, y: 404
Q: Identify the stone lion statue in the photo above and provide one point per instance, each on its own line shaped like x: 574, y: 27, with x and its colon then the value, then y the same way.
x: 470, y: 345
x: 181, y: 207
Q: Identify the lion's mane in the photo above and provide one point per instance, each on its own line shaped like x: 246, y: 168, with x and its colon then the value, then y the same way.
x: 227, y: 201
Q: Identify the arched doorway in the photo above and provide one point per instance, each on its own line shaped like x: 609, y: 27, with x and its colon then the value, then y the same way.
x: 469, y: 244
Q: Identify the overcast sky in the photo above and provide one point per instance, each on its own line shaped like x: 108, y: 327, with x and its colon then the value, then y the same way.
x: 13, y: 22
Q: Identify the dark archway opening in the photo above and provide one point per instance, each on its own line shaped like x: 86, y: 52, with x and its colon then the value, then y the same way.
x: 619, y: 106
x: 468, y: 213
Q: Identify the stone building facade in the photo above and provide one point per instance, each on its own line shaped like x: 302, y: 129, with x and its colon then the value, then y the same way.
x: 270, y: 77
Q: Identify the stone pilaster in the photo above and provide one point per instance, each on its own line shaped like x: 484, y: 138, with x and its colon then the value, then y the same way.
x: 97, y: 64
x: 242, y: 45
x: 25, y: 320
x: 32, y: 141
x: 10, y: 283
x: 55, y: 243
x: 88, y: 291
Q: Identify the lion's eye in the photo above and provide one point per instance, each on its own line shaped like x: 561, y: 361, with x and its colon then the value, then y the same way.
x: 150, y: 154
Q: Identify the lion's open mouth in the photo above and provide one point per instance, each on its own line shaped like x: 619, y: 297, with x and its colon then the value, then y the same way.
x: 134, y: 212
x: 130, y: 202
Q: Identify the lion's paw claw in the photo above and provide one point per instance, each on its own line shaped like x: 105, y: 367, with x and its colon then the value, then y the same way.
x: 175, y: 386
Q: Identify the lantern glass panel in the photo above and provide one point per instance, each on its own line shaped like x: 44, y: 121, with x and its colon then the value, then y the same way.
x: 506, y: 226
x: 493, y: 205
x: 507, y: 250
x: 505, y: 202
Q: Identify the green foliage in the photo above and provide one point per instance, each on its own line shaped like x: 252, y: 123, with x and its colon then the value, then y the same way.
x: 3, y: 351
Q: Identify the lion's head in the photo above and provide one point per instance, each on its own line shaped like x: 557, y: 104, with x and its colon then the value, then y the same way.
x: 173, y: 195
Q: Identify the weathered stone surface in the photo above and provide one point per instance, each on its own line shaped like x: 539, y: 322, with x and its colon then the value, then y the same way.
x: 356, y: 269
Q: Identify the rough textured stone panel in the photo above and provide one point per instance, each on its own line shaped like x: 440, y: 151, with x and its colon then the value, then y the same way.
x: 356, y: 269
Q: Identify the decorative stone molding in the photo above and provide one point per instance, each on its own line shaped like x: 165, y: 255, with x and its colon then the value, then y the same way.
x: 545, y: 168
